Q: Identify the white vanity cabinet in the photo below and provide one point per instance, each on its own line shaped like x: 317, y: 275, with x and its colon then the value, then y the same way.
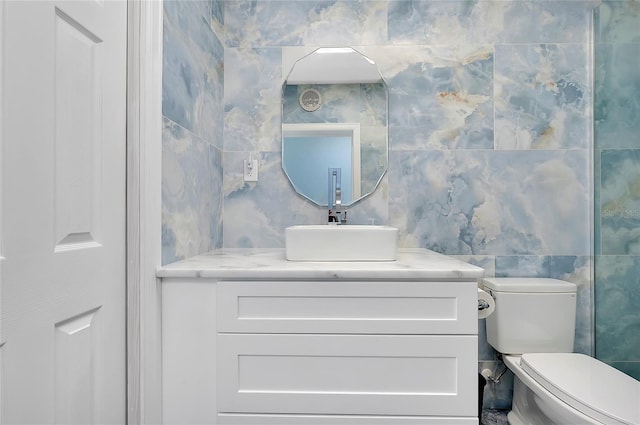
x: 296, y: 346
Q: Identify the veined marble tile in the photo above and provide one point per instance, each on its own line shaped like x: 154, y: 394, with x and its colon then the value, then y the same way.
x: 619, y: 21
x: 188, y: 193
x: 217, y: 18
x: 558, y: 21
x: 485, y: 351
x: 256, y: 214
x: 252, y: 23
x: 192, y: 69
x: 617, y: 172
x: 439, y: 96
x: 374, y: 156
x: 441, y: 22
x: 252, y: 118
x: 491, y: 202
x: 487, y: 262
x: 541, y: 97
x: 191, y: 18
x: 460, y: 22
x: 617, y: 299
x: 620, y: 202
x: 523, y: 266
x: 217, y: 198
x: 617, y: 93
x: 373, y: 209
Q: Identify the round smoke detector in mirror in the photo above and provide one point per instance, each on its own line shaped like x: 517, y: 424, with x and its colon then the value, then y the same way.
x: 310, y: 100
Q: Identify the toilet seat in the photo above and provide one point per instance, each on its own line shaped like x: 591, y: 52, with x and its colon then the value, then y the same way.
x: 586, y: 384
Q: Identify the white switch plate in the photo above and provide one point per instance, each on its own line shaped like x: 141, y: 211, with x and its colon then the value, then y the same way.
x: 251, y: 170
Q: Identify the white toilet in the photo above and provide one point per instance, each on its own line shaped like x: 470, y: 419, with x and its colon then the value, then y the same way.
x: 533, y: 327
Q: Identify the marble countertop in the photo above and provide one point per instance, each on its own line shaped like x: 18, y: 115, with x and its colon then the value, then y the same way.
x: 270, y: 264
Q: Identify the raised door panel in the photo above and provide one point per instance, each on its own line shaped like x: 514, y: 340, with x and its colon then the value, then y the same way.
x: 348, y: 307
x: 78, y: 133
x: 75, y: 368
x: 347, y: 374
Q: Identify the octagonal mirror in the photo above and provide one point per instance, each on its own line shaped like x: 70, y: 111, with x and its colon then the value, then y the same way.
x: 334, y: 115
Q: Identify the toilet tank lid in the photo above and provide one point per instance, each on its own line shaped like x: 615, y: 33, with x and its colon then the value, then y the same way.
x: 528, y: 284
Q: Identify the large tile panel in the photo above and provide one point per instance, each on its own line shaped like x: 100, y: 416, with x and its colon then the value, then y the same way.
x: 491, y: 202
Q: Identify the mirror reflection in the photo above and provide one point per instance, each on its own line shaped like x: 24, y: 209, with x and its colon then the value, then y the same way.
x: 334, y: 116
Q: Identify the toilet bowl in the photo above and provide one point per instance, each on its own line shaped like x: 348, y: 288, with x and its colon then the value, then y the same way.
x: 571, y: 388
x: 533, y: 326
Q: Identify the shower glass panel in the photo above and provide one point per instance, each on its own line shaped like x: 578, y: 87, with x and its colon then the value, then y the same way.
x: 617, y: 184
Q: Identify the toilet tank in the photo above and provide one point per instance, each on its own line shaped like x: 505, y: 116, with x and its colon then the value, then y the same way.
x: 532, y: 315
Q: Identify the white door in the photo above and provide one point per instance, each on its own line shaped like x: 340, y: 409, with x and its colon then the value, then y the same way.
x: 63, y: 211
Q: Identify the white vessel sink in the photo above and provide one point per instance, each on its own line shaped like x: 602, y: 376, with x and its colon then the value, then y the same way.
x: 341, y: 243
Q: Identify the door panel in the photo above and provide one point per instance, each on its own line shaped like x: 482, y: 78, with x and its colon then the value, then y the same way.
x: 78, y: 141
x: 74, y: 369
x: 63, y: 211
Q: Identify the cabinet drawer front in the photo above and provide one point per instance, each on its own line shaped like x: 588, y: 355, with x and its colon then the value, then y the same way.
x: 348, y: 374
x: 348, y: 307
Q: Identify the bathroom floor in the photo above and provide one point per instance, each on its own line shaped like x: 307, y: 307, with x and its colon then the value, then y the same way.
x: 494, y: 417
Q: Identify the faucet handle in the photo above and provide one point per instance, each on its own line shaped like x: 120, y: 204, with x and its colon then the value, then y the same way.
x: 332, y: 217
x: 338, y: 215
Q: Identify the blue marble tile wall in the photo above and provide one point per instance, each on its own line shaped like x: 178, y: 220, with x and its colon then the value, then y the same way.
x: 192, y: 136
x: 617, y: 185
x: 490, y: 130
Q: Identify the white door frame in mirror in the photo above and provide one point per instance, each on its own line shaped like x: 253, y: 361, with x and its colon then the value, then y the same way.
x: 351, y: 130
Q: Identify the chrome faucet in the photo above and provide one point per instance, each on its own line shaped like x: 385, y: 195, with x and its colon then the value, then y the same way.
x: 337, y: 211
